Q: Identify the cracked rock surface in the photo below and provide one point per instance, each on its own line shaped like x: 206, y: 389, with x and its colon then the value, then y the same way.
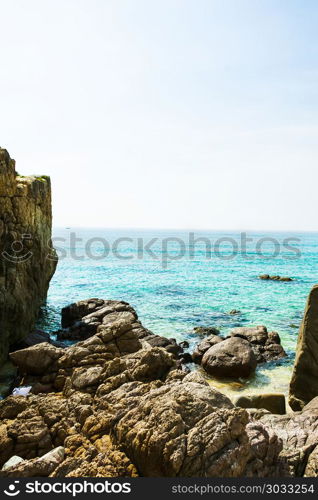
x: 121, y: 407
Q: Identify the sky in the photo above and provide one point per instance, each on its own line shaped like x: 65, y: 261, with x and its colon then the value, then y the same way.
x: 198, y: 114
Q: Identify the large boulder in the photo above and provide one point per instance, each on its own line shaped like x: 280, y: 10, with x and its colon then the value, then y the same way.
x: 233, y: 358
x: 266, y: 345
x: 179, y: 429
x: 204, y: 346
x: 304, y: 381
x: 84, y: 319
x: 38, y: 359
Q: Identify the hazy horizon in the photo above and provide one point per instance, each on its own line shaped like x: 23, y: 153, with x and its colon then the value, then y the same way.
x: 165, y: 116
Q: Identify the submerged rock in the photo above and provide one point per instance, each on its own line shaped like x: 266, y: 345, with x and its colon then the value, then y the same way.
x: 275, y: 277
x: 232, y: 358
x: 206, y: 330
x: 304, y: 381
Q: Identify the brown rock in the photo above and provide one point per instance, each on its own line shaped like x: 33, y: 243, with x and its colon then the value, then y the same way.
x: 204, y: 346
x: 304, y: 381
x: 206, y: 330
x: 25, y: 226
x: 275, y: 403
x: 38, y: 359
x: 84, y: 319
x: 37, y: 467
x: 232, y: 358
x: 266, y: 345
x: 185, y: 429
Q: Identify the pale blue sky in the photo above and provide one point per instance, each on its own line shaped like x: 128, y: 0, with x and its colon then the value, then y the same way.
x: 170, y: 113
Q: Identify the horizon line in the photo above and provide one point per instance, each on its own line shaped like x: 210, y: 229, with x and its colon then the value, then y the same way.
x: 240, y: 230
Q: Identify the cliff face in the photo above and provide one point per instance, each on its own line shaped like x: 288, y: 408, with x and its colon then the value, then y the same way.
x: 25, y: 268
x: 304, y: 381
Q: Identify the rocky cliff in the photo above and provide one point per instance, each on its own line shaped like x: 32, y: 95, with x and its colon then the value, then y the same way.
x: 25, y: 269
x: 304, y: 382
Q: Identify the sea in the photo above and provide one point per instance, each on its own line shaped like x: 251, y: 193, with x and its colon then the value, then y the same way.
x: 178, y: 280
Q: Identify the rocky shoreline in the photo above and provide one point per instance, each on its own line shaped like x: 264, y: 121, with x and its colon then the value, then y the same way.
x: 122, y: 402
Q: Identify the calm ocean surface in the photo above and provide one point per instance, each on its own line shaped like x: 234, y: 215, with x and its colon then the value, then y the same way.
x: 181, y: 285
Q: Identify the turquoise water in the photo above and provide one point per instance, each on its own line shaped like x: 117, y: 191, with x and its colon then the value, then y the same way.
x: 174, y: 296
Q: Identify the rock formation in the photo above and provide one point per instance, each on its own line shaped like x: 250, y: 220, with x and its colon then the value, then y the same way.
x: 266, y: 345
x: 275, y: 278
x: 218, y: 355
x: 114, y: 405
x: 274, y: 403
x: 119, y: 406
x: 304, y: 381
x: 298, y: 434
x: 25, y: 269
x: 233, y: 358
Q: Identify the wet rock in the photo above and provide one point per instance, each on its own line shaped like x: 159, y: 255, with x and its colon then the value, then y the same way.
x: 274, y: 403
x: 184, y: 344
x: 169, y: 344
x: 204, y: 346
x: 232, y: 358
x: 234, y: 311
x: 266, y: 345
x: 275, y: 277
x: 34, y: 338
x: 185, y: 358
x: 206, y: 330
x: 83, y: 319
x: 304, y: 381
